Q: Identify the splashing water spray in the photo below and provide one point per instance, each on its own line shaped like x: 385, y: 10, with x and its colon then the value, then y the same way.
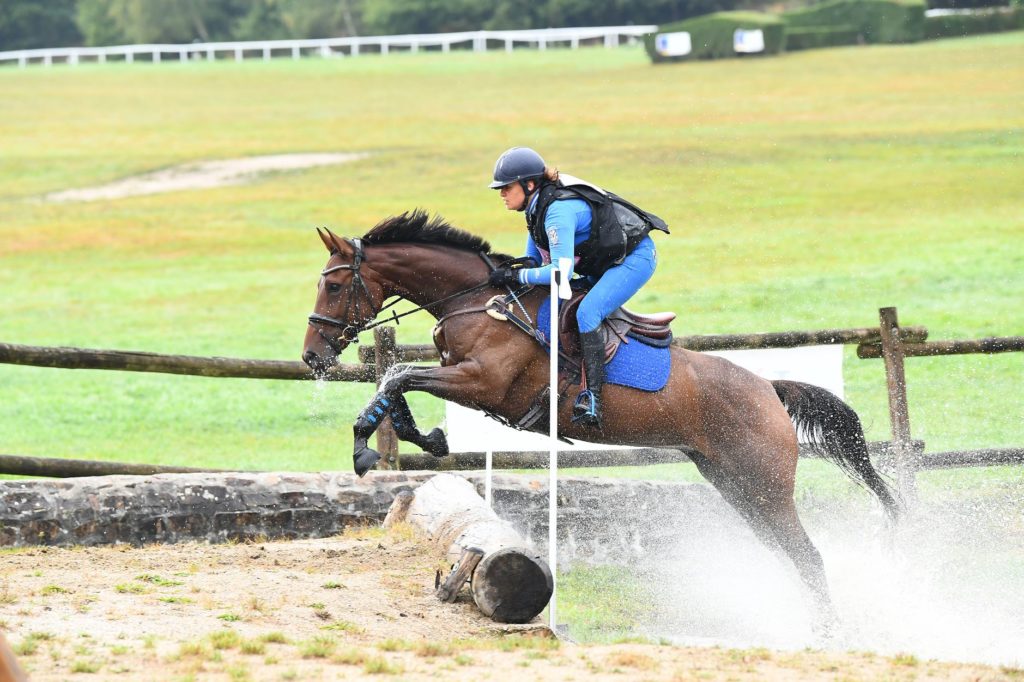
x: 947, y: 583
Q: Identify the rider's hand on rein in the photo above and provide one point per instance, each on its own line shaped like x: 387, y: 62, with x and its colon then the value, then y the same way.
x: 503, y: 277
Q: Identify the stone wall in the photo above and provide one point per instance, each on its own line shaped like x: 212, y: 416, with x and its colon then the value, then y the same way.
x: 600, y: 520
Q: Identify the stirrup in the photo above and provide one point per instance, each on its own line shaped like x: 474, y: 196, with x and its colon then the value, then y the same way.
x: 585, y: 409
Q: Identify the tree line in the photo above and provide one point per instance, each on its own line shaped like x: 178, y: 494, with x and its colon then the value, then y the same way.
x: 28, y: 24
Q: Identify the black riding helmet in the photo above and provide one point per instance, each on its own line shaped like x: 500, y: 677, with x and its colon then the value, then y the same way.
x: 518, y: 164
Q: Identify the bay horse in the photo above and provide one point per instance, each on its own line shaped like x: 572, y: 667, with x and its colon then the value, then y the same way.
x: 739, y: 429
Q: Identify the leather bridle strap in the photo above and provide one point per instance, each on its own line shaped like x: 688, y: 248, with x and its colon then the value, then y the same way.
x: 350, y: 332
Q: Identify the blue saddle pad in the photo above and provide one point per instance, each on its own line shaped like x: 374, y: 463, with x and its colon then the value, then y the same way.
x: 635, y: 364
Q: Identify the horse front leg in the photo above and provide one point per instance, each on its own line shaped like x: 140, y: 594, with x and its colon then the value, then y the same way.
x: 389, y: 401
x: 363, y: 456
x: 396, y: 407
x: 435, y: 442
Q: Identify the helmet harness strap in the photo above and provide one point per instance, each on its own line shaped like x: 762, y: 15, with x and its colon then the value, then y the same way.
x: 527, y: 192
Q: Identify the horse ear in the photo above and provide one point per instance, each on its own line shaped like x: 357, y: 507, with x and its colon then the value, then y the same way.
x: 330, y: 240
x: 325, y: 239
x: 334, y: 240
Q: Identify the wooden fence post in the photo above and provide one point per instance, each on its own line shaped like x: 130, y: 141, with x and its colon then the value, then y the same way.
x: 903, y: 450
x: 385, y: 356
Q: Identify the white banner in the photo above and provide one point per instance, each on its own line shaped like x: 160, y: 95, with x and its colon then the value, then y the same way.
x: 673, y: 44
x: 818, y: 365
x: 748, y: 41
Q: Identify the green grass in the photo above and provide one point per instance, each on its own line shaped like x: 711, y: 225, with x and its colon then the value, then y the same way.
x: 624, y: 602
x: 804, y: 192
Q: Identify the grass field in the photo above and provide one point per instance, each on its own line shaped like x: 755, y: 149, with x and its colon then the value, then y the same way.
x: 804, y: 192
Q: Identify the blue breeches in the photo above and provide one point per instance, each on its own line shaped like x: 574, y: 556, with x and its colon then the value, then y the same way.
x: 617, y: 285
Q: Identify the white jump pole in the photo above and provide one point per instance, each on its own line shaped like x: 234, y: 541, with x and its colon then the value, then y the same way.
x: 559, y: 289
x: 487, y: 478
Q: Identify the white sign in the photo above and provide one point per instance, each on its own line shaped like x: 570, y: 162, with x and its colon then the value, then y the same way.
x: 818, y: 365
x: 748, y: 41
x: 472, y: 431
x: 673, y: 44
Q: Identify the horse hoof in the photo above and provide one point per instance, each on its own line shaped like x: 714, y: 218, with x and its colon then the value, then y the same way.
x: 364, y: 460
x: 827, y: 628
x: 437, y: 443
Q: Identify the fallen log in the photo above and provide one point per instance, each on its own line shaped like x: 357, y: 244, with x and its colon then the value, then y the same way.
x: 509, y: 581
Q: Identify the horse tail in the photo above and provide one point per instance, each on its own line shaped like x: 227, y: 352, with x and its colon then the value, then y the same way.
x: 833, y: 431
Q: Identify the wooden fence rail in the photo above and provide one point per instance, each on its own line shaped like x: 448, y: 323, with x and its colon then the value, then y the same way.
x: 137, y: 361
x: 888, y: 341
x: 883, y: 451
x: 992, y: 344
x: 706, y: 342
x: 54, y: 467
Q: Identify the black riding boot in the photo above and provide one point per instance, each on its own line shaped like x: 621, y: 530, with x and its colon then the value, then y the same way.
x: 587, y: 409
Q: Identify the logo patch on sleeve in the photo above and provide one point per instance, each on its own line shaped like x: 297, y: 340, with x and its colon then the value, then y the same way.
x: 552, y: 237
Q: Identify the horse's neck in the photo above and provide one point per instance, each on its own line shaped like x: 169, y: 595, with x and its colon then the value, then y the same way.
x: 424, y: 274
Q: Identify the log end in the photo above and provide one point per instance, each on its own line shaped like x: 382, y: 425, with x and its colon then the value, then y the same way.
x: 512, y: 585
x: 399, y: 510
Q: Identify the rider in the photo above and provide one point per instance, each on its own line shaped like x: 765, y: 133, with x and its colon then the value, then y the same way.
x: 560, y: 224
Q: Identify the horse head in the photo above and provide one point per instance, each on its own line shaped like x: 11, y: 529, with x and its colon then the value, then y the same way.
x: 415, y: 257
x: 346, y: 301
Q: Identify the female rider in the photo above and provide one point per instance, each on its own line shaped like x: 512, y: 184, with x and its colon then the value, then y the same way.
x: 560, y: 221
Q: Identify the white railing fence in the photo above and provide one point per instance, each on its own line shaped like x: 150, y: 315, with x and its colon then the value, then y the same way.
x: 477, y: 41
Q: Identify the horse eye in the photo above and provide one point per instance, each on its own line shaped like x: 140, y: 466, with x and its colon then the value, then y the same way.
x: 333, y: 288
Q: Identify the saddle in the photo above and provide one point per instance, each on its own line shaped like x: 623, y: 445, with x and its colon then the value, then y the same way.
x: 622, y: 326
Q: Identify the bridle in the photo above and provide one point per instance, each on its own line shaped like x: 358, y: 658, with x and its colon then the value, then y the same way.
x: 358, y: 290
x: 349, y: 331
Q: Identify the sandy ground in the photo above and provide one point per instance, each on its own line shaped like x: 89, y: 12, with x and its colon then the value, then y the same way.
x: 202, y: 175
x: 346, y: 607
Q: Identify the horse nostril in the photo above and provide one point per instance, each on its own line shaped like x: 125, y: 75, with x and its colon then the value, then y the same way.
x: 310, y: 358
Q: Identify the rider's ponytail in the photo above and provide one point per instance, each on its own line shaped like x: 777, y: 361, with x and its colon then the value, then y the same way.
x: 550, y: 174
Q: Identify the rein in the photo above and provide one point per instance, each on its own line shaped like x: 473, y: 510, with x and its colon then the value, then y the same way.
x: 350, y: 331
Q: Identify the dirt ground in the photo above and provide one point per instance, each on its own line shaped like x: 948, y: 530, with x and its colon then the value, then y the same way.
x: 346, y: 607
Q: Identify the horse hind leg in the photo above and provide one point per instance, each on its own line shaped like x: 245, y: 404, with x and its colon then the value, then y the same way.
x: 773, y: 519
x: 737, y: 500
x: 794, y: 541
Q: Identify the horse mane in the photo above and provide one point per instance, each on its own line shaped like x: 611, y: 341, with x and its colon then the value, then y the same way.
x: 419, y: 227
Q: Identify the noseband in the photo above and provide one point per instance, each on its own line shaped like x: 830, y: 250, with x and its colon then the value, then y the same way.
x: 357, y: 291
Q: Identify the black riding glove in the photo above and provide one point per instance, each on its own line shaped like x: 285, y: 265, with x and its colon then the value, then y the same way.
x: 503, y: 277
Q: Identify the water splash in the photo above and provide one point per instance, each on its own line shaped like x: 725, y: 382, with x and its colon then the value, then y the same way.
x: 948, y: 584
x: 319, y: 403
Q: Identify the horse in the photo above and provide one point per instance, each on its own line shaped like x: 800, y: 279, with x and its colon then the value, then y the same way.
x: 740, y: 430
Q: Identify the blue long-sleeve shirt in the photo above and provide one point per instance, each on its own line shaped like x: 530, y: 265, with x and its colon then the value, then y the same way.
x: 567, y: 225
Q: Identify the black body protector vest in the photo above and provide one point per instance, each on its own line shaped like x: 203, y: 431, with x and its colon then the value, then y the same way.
x: 617, y: 226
